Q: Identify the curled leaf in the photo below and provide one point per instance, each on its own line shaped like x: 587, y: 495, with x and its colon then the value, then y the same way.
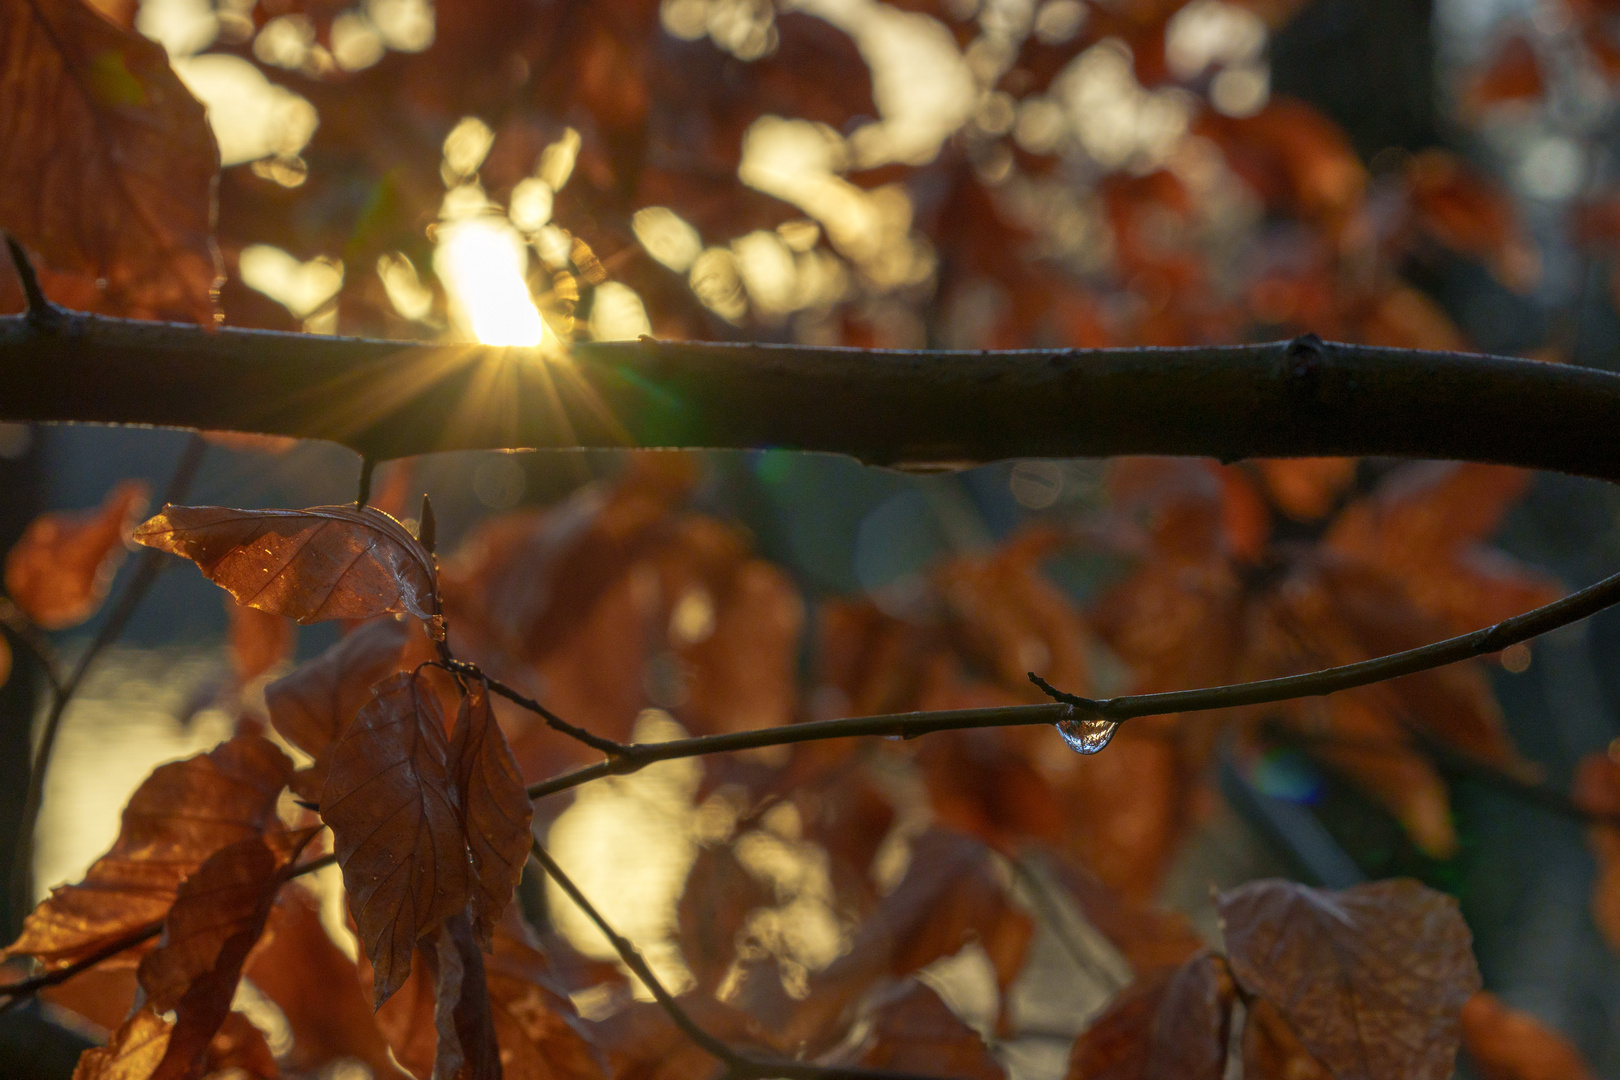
x: 1372, y: 979
x: 179, y: 816
x: 217, y: 918
x: 396, y: 825
x: 327, y: 562
x: 59, y: 572
x: 495, y: 808
x: 109, y: 167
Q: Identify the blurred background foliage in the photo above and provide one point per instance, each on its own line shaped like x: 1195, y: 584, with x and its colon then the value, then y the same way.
x: 909, y: 173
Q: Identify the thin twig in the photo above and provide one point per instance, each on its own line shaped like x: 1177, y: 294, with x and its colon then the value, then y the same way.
x: 631, y: 757
x: 40, y: 309
x: 738, y: 1066
x: 148, y: 568
x: 23, y: 631
x: 19, y: 991
x: 23, y: 989
x: 557, y: 723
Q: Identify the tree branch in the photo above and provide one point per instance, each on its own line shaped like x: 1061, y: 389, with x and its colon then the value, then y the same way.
x: 148, y: 567
x: 739, y: 1066
x: 1572, y: 608
x: 389, y: 399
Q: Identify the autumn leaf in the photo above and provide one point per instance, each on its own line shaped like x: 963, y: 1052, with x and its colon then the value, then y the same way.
x: 1342, y: 969
x: 1169, y: 1026
x: 179, y: 816
x: 396, y: 825
x: 218, y: 916
x: 952, y: 894
x: 539, y: 1031
x: 1271, y: 1050
x: 1506, y: 1044
x: 258, y: 641
x: 317, y: 988
x: 328, y: 562
x: 914, y: 1032
x: 719, y: 896
x: 110, y: 166
x: 240, y: 1048
x: 60, y: 569
x: 133, y: 1053
x: 311, y: 705
x: 1597, y: 791
x: 495, y: 809
x: 462, y: 1016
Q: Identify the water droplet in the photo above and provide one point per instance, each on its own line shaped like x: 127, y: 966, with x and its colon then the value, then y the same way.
x: 1087, y: 736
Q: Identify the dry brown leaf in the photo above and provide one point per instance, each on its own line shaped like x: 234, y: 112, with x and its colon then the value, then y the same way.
x: 1425, y: 527
x: 540, y: 1034
x: 60, y: 569
x: 496, y: 811
x: 714, y: 907
x: 327, y: 562
x: 239, y: 1049
x: 1171, y: 1026
x: 133, y: 1053
x: 1506, y: 1044
x: 914, y: 1032
x: 396, y: 825
x: 462, y: 1018
x: 317, y: 988
x: 1271, y: 1050
x: 1597, y: 791
x: 311, y: 705
x: 258, y: 640
x: 953, y: 893
x: 110, y: 166
x: 1372, y: 978
x: 177, y: 818
x: 641, y: 1043
x: 218, y: 917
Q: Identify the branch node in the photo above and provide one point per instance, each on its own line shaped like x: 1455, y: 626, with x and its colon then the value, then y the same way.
x: 41, y: 313
x: 1055, y: 694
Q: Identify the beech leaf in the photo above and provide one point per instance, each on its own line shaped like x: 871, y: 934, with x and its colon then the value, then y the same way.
x: 461, y: 1009
x: 495, y: 808
x: 1506, y: 1044
x: 315, y: 985
x: 217, y: 918
x: 258, y: 641
x: 179, y: 816
x: 914, y: 1032
x: 1372, y: 978
x: 1168, y: 1027
x: 312, y: 704
x: 110, y: 167
x: 396, y: 825
x: 327, y: 562
x: 133, y: 1052
x: 58, y: 573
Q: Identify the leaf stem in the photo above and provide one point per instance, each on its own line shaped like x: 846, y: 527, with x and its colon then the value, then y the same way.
x: 557, y: 723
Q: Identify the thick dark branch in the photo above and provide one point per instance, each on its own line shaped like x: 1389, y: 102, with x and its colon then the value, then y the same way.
x: 390, y: 399
x: 1570, y: 609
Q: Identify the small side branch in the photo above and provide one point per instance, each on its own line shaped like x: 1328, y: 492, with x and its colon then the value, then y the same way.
x: 553, y: 721
x: 40, y: 309
x: 1571, y: 609
x: 18, y: 992
x: 738, y: 1066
